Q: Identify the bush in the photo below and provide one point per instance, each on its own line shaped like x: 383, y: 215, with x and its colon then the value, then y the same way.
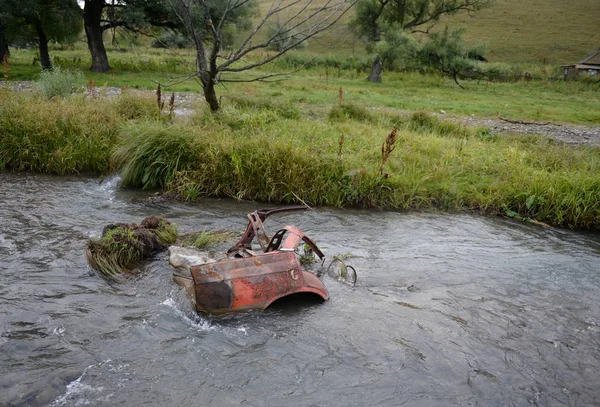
x: 284, y: 41
x: 351, y: 112
x: 171, y: 40
x: 59, y: 82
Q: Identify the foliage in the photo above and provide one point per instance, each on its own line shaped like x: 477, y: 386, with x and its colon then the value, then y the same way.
x: 59, y: 82
x: 60, y: 19
x: 446, y: 51
x: 171, y: 39
x: 281, y: 41
x: 392, y: 21
x: 40, y: 21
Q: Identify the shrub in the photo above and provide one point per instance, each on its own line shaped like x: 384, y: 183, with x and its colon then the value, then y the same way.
x: 351, y: 112
x: 59, y: 82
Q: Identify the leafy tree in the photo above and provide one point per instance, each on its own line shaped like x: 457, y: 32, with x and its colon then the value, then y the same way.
x: 41, y: 21
x: 205, y: 22
x: 381, y: 20
x: 446, y: 51
x: 132, y: 15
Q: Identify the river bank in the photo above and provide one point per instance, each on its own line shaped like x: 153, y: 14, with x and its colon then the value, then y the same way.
x: 269, y: 152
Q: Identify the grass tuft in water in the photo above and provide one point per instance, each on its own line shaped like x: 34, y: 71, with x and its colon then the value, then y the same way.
x: 206, y: 239
x: 124, y: 245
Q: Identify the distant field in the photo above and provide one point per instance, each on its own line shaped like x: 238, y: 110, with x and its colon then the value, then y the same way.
x: 550, y: 31
x: 539, y: 31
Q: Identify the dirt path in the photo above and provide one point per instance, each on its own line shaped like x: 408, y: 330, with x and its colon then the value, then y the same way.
x: 567, y: 133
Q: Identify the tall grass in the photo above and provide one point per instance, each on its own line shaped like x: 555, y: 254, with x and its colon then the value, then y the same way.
x: 252, y: 151
x: 59, y: 82
x: 62, y: 136
x: 434, y: 165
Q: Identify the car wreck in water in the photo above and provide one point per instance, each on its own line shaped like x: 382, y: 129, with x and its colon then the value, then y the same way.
x: 254, y: 277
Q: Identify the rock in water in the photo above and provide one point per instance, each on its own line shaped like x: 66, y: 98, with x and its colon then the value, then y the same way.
x: 183, y: 258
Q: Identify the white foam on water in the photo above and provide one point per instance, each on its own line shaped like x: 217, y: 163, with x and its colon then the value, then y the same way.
x: 106, y: 187
x: 8, y: 244
x: 195, y: 321
x: 59, y: 330
x: 80, y: 394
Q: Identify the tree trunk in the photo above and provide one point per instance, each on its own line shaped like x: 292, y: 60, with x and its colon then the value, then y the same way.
x: 375, y: 75
x: 43, y: 45
x: 92, y: 15
x: 3, y: 43
x: 211, y: 96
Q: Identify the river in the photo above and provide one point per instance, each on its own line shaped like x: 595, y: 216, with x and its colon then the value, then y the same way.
x: 450, y: 309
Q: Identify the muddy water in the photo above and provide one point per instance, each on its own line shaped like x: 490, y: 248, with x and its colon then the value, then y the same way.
x: 450, y: 310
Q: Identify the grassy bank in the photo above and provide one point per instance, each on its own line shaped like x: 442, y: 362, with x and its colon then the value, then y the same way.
x: 315, y: 88
x: 257, y: 149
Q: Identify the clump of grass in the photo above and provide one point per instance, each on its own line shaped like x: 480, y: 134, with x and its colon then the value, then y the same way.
x: 284, y: 109
x: 422, y: 121
x: 206, y: 239
x: 124, y: 245
x: 59, y: 82
x: 116, y: 253
x: 349, y: 111
x: 150, y: 155
x: 132, y: 106
x: 162, y: 228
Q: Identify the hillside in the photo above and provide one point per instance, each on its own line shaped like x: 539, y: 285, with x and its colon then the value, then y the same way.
x: 551, y: 31
x: 538, y: 31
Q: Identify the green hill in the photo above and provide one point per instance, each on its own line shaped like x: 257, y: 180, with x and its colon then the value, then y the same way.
x: 538, y: 31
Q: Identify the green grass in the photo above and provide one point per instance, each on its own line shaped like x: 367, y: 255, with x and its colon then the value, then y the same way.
x: 435, y: 165
x: 516, y: 31
x: 540, y: 31
x: 206, y: 239
x: 314, y: 90
x: 268, y: 146
x: 59, y: 136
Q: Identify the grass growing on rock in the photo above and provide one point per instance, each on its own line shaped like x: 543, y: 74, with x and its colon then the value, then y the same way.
x: 206, y: 239
x: 123, y: 246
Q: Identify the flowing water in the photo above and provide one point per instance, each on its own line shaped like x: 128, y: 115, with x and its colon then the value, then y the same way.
x: 449, y: 310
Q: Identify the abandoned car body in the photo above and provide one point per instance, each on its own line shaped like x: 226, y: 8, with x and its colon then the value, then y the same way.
x: 251, y: 280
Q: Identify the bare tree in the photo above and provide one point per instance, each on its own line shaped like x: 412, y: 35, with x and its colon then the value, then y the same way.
x: 297, y: 21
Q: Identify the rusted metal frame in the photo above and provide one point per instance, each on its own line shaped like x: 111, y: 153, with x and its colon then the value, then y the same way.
x: 255, y: 226
x: 292, y: 241
x: 238, y: 284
